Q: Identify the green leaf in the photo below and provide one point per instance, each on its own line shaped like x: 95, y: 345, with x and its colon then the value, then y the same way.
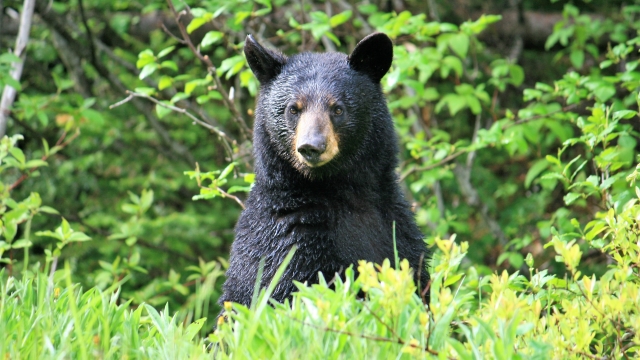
x: 48, y: 210
x: 517, y: 75
x: 22, y: 243
x: 250, y: 178
x: 196, y: 23
x: 169, y: 64
x: 164, y: 52
x: 35, y: 163
x: 18, y: 154
x: 194, y: 328
x: 95, y: 117
x: 339, y: 19
x: 8, y: 58
x: 145, y: 58
x: 130, y: 208
x: 165, y: 82
x: 535, y: 170
x: 145, y: 90
x: 78, y: 236
x: 459, y: 43
x: 148, y: 70
x: 624, y: 114
x: 604, y: 92
x: 571, y: 197
x: 454, y: 63
x: 210, y: 38
x: 227, y: 170
x: 241, y: 15
x: 474, y: 104
x: 577, y: 58
x: 146, y: 200
x: 49, y: 233
x: 162, y: 111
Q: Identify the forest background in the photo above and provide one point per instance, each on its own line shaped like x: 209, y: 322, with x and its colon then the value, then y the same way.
x: 127, y: 154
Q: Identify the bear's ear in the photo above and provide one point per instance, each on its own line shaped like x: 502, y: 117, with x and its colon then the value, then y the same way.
x: 372, y: 56
x: 266, y: 64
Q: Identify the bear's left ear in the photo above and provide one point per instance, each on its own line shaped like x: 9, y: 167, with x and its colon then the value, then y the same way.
x: 266, y: 64
x: 372, y: 56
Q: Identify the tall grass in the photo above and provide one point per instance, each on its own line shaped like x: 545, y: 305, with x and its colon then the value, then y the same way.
x: 40, y: 319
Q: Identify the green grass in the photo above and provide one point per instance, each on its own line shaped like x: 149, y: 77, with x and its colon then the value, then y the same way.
x: 45, y: 320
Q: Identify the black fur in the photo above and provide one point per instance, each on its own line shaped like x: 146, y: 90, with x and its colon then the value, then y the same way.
x: 338, y: 213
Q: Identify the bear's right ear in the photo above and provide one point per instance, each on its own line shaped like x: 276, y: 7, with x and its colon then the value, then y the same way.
x: 266, y: 64
x: 372, y: 56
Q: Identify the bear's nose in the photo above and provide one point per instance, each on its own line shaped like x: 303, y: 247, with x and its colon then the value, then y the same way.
x: 312, y: 149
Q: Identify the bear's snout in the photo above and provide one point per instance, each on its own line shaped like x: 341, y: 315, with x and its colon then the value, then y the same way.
x: 316, y: 142
x: 312, y: 148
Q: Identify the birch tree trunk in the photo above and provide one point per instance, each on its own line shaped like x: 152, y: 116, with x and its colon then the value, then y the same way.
x: 9, y: 93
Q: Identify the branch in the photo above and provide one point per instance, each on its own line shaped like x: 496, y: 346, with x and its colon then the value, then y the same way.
x: 169, y: 93
x: 9, y: 93
x: 244, y: 129
x: 221, y: 134
x: 364, y: 336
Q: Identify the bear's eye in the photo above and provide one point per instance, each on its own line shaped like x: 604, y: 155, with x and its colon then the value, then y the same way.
x: 338, y: 111
x: 293, y: 111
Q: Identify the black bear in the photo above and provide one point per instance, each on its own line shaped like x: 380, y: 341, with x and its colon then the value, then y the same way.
x: 325, y: 157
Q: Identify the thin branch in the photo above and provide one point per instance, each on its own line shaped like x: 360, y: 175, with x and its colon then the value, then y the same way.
x: 244, y: 129
x: 226, y: 140
x: 168, y: 32
x: 399, y: 341
x: 233, y: 197
x: 9, y: 93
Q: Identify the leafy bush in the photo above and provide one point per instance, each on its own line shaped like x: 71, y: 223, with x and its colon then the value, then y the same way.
x: 529, y: 202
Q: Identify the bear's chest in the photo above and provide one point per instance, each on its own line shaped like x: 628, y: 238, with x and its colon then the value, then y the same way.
x: 350, y: 228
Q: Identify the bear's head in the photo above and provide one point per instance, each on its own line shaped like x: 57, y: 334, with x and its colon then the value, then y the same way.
x: 320, y: 111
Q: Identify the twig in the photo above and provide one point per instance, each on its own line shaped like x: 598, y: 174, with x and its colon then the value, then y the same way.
x: 233, y: 197
x: 168, y: 32
x: 9, y: 93
x: 363, y: 336
x: 226, y: 140
x: 244, y: 129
